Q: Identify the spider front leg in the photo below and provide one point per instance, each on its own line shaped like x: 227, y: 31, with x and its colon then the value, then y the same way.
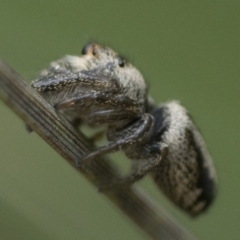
x: 117, y: 114
x: 100, y: 97
x: 139, y: 173
x: 127, y: 137
x: 100, y: 107
x: 85, y: 78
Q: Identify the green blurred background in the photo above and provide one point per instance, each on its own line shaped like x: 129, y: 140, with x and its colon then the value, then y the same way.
x: 187, y: 51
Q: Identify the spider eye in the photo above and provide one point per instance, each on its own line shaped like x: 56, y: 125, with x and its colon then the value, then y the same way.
x: 94, y: 51
x: 90, y: 49
x: 121, y: 62
x: 85, y: 49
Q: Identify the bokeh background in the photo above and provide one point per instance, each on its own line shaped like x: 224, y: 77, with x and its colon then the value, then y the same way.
x: 187, y: 50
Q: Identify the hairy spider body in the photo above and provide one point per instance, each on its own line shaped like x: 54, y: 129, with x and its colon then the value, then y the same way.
x: 102, y: 88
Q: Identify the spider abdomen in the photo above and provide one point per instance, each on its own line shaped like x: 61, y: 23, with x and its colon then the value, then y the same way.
x: 186, y: 175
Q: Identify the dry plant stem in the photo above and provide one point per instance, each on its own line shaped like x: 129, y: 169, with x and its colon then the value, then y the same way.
x: 70, y: 144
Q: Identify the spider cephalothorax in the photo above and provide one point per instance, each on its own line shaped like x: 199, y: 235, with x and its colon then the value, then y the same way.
x: 102, y: 88
x: 95, y: 86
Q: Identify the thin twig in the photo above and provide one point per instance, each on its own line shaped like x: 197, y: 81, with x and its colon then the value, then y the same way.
x: 62, y: 136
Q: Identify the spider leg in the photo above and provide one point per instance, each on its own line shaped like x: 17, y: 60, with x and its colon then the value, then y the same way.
x: 98, y: 97
x: 86, y: 78
x: 138, y: 173
x: 108, y: 116
x: 130, y: 135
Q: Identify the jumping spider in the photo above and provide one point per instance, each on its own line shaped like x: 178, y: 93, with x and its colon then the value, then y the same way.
x: 100, y: 87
